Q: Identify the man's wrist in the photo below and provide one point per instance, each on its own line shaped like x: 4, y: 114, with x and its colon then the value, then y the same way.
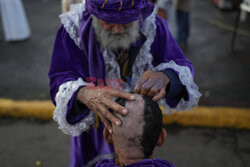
x: 175, y: 88
x: 80, y: 94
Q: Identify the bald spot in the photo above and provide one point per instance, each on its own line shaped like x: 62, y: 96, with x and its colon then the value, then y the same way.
x: 129, y: 134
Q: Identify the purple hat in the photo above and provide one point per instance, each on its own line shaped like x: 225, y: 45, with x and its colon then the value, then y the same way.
x: 119, y: 11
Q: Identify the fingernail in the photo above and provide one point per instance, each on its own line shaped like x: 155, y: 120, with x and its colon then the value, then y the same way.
x: 124, y: 111
x: 132, y: 97
x: 117, y: 123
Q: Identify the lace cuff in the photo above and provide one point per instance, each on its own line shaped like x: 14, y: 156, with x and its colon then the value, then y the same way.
x: 186, y: 79
x: 63, y: 96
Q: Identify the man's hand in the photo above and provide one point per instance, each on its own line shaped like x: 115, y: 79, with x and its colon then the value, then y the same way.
x: 152, y: 84
x: 100, y: 100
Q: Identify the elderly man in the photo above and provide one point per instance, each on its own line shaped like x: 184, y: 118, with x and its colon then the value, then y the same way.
x: 134, y: 146
x: 103, y: 48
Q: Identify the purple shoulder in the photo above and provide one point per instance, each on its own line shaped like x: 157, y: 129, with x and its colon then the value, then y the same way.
x: 106, y: 163
x: 163, y: 163
x: 145, y: 162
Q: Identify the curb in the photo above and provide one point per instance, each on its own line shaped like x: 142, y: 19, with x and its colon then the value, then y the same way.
x: 25, y: 109
x: 218, y: 117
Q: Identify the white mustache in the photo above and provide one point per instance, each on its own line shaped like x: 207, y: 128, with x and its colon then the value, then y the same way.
x: 111, y: 40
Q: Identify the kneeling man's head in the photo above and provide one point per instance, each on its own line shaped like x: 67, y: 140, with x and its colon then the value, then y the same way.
x: 140, y: 132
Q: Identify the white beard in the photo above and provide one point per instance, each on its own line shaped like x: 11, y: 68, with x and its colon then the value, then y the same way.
x: 109, y: 40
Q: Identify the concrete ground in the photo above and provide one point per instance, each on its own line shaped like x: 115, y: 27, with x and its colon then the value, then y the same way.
x: 222, y: 76
x: 24, y: 142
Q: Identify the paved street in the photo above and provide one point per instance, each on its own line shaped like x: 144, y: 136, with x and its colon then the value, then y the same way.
x: 222, y: 75
x: 23, y: 142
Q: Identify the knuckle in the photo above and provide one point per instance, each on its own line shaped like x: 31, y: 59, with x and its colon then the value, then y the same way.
x: 99, y: 93
x: 105, y: 113
x: 154, y: 91
x: 116, y: 107
x: 145, y: 86
x: 143, y: 92
x: 147, y: 72
x: 92, y: 100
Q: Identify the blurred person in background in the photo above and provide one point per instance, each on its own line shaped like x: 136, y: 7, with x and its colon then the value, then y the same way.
x: 182, y: 14
x: 135, y: 146
x: 102, y: 49
x: 183, y: 9
x: 163, y: 8
x: 15, y: 24
x: 66, y: 4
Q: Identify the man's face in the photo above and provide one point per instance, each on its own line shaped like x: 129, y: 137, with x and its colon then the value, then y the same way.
x: 115, y: 36
x: 115, y: 28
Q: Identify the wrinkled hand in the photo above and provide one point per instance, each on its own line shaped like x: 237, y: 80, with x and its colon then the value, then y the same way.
x: 99, y: 100
x: 152, y: 84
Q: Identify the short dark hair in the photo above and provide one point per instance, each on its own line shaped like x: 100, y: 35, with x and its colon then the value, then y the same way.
x: 153, y: 124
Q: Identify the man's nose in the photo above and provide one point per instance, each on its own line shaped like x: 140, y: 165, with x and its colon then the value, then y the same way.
x: 117, y: 28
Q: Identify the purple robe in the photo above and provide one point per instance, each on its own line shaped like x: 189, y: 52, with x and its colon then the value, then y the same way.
x: 142, y: 163
x: 77, y: 55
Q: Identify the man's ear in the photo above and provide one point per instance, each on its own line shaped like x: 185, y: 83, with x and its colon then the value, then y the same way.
x: 107, y: 136
x: 162, y: 137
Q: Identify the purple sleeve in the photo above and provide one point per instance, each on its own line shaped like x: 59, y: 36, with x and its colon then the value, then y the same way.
x: 68, y: 63
x: 166, y: 49
x: 174, y: 89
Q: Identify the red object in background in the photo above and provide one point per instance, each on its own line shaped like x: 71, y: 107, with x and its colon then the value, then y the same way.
x: 227, y: 4
x: 223, y: 4
x: 216, y: 2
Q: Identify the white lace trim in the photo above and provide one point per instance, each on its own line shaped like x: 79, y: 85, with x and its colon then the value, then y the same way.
x: 63, y: 96
x: 71, y: 21
x: 144, y: 57
x: 186, y: 79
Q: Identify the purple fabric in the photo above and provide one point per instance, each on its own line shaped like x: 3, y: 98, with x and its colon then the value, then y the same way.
x: 88, y: 146
x: 112, y: 11
x: 69, y: 63
x: 175, y: 89
x: 91, y: 143
x: 143, y: 163
x: 61, y: 71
